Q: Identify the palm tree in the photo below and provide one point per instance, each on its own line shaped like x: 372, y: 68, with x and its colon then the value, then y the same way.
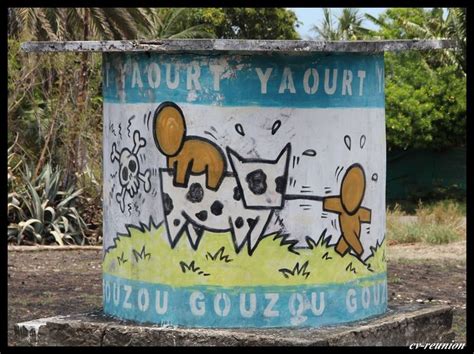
x: 326, y: 30
x: 173, y: 23
x: 429, y: 24
x: 76, y: 23
x: 348, y: 26
x: 102, y: 23
x: 52, y: 24
x: 456, y: 29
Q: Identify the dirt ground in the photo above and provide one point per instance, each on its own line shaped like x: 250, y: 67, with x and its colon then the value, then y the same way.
x: 49, y: 282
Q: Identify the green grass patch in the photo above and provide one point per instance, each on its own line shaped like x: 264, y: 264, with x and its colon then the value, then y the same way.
x: 147, y: 256
x: 438, y: 223
x: 394, y: 280
x: 411, y: 206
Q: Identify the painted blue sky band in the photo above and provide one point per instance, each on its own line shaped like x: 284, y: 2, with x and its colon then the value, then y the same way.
x: 272, y: 80
x: 293, y: 306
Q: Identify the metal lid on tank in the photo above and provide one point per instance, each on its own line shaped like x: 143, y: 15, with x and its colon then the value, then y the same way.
x: 237, y: 45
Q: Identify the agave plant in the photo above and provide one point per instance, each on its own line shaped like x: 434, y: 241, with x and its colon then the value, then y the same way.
x: 39, y: 211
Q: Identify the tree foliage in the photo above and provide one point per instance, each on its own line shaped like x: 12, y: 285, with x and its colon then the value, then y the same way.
x: 74, y: 23
x: 425, y: 91
x: 418, y: 23
x: 425, y: 107
x: 248, y: 23
x: 175, y: 23
x: 347, y: 26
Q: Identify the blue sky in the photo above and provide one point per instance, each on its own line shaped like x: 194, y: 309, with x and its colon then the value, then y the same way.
x: 312, y: 15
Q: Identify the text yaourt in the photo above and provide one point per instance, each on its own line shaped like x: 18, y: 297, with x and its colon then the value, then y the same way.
x: 311, y: 80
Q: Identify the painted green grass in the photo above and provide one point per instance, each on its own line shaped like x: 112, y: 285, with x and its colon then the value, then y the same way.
x: 147, y: 256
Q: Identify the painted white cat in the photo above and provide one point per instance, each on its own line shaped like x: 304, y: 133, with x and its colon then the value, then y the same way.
x: 243, y: 204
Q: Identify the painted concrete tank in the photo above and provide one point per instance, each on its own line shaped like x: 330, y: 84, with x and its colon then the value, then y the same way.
x: 244, y: 190
x: 244, y: 180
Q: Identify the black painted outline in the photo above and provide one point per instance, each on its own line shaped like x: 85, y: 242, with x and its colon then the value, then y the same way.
x: 121, y: 260
x: 301, y: 196
x: 348, y: 249
x: 326, y: 256
x: 168, y: 233
x: 137, y: 163
x: 205, y: 172
x: 284, y: 237
x: 138, y: 143
x: 184, y: 229
x: 350, y: 268
x: 129, y: 124
x: 241, y: 159
x: 186, y: 138
x: 347, y: 142
x: 158, y: 110
x: 276, y: 125
x: 323, y: 240
x: 142, y: 227
x: 193, y: 268
x: 373, y: 249
x: 170, y: 172
x: 238, y: 248
x: 241, y: 130
x: 261, y: 236
x: 196, y: 225
x: 222, y: 257
x: 141, y: 255
x: 148, y: 116
x: 363, y: 192
x: 340, y: 193
x: 339, y: 172
x: 188, y: 219
x: 210, y: 134
x: 296, y: 269
x: 286, y: 241
x: 309, y: 152
x: 363, y: 140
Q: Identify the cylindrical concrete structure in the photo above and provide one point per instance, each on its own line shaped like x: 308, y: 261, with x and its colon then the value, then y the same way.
x: 244, y: 181
x: 244, y: 190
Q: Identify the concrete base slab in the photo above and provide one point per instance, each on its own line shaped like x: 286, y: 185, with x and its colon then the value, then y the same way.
x: 401, y: 326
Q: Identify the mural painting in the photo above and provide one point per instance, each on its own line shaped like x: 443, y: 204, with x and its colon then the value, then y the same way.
x: 239, y: 199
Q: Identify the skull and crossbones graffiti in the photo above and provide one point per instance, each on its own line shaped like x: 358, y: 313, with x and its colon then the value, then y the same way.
x: 130, y: 176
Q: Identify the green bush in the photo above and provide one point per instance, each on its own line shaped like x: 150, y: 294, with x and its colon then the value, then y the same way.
x: 425, y: 108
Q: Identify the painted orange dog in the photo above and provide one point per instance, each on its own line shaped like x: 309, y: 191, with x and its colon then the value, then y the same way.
x: 186, y: 155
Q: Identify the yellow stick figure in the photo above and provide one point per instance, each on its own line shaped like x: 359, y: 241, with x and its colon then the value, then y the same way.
x: 351, y: 213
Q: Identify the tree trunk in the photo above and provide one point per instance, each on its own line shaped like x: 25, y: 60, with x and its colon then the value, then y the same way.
x: 52, y: 126
x: 77, y: 160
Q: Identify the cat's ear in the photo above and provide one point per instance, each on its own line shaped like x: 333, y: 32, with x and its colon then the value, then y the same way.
x: 284, y: 156
x: 234, y: 158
